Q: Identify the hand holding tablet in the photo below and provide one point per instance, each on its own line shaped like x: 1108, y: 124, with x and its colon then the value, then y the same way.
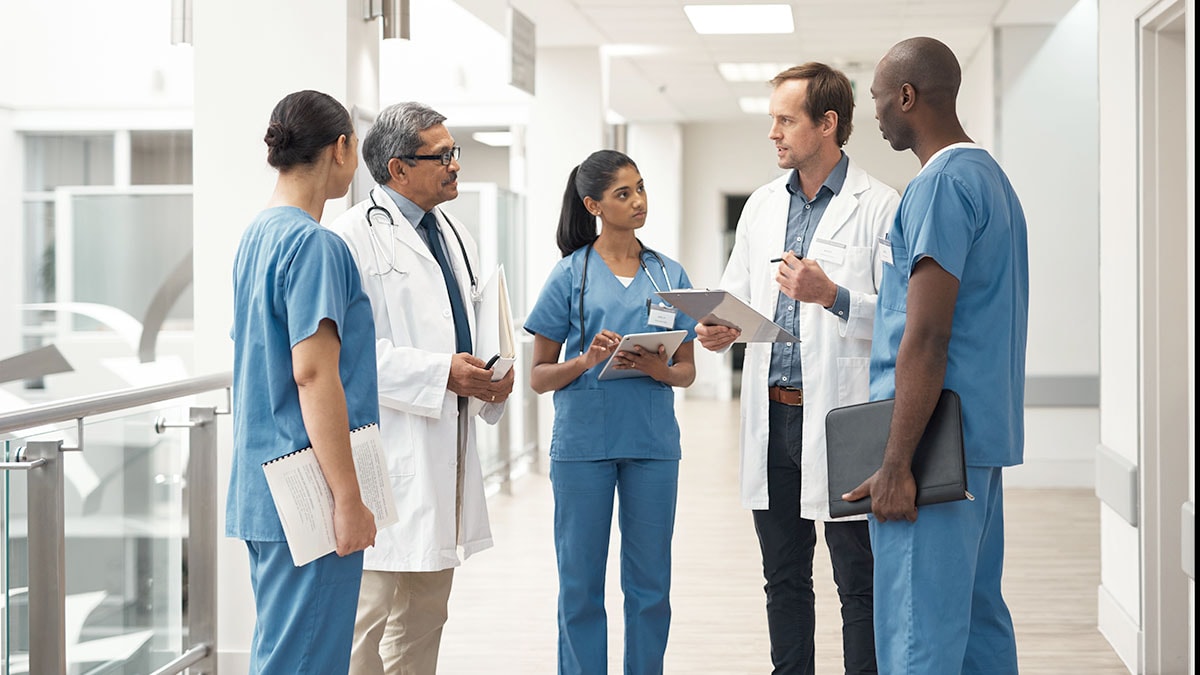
x: 669, y: 339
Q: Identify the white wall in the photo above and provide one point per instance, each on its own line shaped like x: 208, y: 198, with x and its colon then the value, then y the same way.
x: 564, y: 128
x: 1050, y: 153
x: 657, y: 148
x: 1051, y: 156
x: 114, y: 54
x: 1119, y: 594
x: 977, y: 95
x: 12, y: 228
x: 480, y: 163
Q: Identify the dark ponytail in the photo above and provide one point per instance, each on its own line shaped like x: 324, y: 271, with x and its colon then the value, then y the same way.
x: 576, y: 226
x: 302, y: 124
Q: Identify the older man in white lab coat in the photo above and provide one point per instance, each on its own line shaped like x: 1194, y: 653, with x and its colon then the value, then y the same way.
x: 824, y: 218
x: 419, y: 267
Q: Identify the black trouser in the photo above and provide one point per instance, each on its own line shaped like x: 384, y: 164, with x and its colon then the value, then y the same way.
x: 787, y: 542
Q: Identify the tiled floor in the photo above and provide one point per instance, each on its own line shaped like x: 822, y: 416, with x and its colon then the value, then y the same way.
x: 502, y: 614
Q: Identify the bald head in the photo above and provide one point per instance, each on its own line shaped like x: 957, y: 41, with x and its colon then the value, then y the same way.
x: 926, y: 64
x: 914, y: 89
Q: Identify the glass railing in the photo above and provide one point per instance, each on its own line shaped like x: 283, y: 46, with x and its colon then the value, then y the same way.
x: 109, y: 531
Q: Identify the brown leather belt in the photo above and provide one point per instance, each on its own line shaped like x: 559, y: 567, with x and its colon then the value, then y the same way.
x: 786, y: 395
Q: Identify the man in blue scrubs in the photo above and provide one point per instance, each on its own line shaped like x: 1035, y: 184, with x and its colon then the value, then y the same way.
x: 952, y: 313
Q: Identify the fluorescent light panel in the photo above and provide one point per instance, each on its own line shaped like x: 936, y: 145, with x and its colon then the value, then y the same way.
x: 755, y: 105
x: 740, y: 19
x: 750, y: 72
x: 496, y: 139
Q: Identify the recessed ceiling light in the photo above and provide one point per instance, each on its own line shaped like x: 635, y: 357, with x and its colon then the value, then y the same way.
x: 740, y: 19
x: 496, y: 139
x: 755, y: 105
x: 750, y: 72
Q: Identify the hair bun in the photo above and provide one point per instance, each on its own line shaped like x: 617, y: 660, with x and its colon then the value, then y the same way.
x: 277, y: 136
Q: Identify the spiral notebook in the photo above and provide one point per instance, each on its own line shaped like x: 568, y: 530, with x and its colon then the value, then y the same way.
x: 305, y: 504
x: 855, y: 438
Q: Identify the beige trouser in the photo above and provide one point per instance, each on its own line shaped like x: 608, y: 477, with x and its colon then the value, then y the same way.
x: 398, y: 628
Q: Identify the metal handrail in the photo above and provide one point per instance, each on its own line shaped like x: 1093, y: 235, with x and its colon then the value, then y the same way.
x: 47, y: 562
x: 189, y: 658
x: 99, y: 404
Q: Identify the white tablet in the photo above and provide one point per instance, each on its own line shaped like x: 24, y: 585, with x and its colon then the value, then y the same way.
x: 669, y: 339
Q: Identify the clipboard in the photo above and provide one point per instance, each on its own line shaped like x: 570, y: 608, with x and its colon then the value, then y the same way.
x: 722, y: 308
x: 855, y: 438
x: 669, y: 339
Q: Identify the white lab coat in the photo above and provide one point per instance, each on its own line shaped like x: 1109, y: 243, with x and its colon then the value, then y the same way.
x: 418, y: 415
x: 834, y: 354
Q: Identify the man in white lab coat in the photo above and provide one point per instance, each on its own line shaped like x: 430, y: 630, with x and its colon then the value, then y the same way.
x: 824, y: 218
x: 419, y: 267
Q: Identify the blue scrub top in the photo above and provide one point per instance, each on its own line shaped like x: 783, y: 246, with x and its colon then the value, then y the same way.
x: 289, y: 274
x: 632, y: 418
x: 962, y: 211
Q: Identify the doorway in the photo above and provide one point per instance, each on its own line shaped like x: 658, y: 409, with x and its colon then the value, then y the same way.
x: 1163, y: 318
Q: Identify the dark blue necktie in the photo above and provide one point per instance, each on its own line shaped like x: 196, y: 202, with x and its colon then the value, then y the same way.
x: 462, y: 329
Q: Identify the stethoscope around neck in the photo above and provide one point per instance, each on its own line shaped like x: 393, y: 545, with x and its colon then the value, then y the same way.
x: 377, y: 246
x: 641, y: 261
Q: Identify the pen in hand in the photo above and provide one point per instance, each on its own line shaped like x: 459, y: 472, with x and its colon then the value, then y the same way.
x: 779, y: 260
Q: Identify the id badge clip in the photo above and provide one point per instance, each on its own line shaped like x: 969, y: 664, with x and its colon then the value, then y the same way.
x: 660, y: 316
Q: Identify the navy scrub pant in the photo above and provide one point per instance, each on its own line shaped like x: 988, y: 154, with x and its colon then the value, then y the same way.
x: 787, y: 542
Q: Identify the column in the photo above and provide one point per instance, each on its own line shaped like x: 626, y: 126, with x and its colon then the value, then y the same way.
x: 566, y: 124
x: 322, y: 46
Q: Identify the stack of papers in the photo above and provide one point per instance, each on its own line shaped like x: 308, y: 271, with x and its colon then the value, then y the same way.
x: 494, y: 331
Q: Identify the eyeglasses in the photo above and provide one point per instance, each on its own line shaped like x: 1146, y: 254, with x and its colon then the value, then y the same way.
x: 445, y: 158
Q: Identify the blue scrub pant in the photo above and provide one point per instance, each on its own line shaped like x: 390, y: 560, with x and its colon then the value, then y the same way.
x: 938, y: 607
x: 583, y: 513
x: 305, y: 621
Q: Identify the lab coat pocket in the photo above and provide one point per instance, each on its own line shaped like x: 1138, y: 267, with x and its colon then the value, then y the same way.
x: 399, y: 439
x: 856, y: 274
x: 400, y: 457
x: 854, y: 380
x: 578, y: 424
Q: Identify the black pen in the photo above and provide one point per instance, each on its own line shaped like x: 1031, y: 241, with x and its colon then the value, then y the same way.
x: 779, y: 260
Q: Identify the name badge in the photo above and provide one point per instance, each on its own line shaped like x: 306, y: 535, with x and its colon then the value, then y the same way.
x: 831, y: 251
x: 885, y: 251
x: 661, y: 316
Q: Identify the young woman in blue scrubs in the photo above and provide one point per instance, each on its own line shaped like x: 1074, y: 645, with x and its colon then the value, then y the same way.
x: 613, y: 435
x: 303, y: 374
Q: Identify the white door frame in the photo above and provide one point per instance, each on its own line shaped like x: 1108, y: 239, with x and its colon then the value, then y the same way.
x: 1163, y: 313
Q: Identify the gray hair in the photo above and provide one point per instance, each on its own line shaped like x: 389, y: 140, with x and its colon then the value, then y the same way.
x: 397, y: 133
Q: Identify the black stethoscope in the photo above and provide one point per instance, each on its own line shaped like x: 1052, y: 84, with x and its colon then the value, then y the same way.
x: 641, y: 261
x: 377, y: 247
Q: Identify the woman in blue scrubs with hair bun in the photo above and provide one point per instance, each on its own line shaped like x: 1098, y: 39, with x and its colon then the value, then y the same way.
x: 614, y: 435
x: 303, y: 375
